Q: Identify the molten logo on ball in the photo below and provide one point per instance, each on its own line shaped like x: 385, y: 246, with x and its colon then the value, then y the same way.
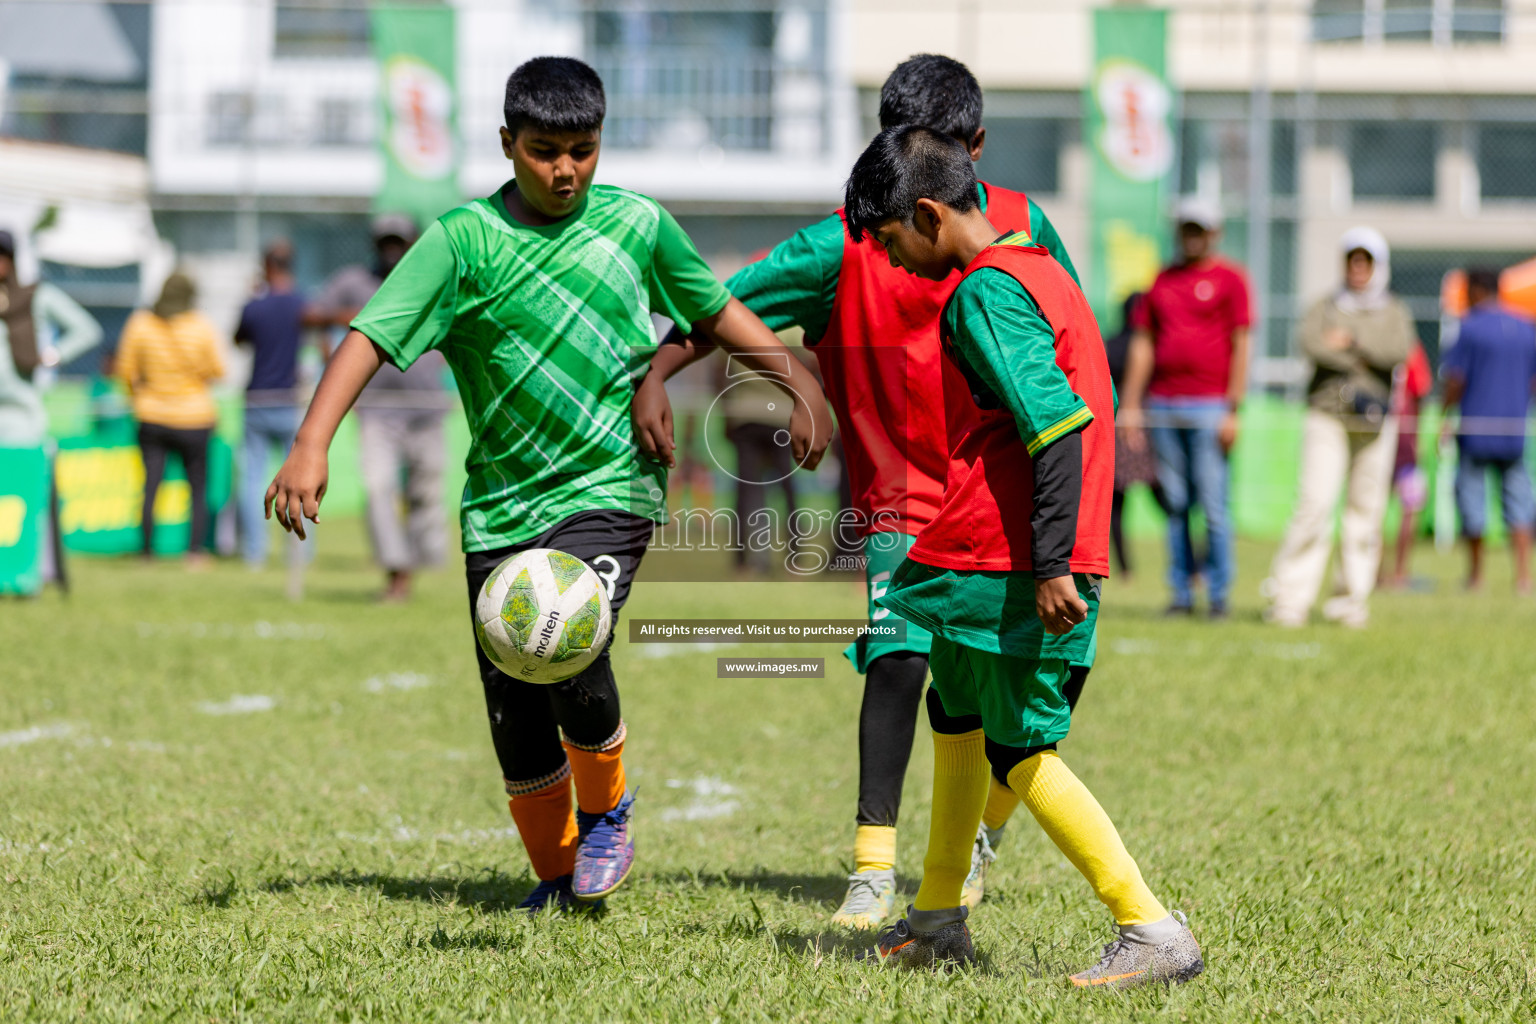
x: 542, y: 616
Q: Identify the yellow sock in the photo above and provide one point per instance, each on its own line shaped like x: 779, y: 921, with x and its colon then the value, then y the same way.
x: 874, y: 848
x: 1001, y: 803
x: 1081, y: 830
x: 959, y: 792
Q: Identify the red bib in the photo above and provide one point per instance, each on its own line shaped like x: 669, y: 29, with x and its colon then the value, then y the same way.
x: 881, y: 368
x: 983, y: 523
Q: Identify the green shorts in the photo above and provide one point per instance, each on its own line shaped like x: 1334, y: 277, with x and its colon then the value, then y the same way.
x: 883, y: 552
x: 1019, y: 699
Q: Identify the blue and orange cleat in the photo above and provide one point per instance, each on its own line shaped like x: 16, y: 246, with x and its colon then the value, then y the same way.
x: 553, y: 894
x: 605, y: 851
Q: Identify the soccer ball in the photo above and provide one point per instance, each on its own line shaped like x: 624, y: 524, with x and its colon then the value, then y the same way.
x: 543, y: 616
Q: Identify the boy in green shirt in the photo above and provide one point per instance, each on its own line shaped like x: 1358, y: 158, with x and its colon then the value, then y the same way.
x: 1006, y: 574
x: 540, y: 298
x: 875, y: 334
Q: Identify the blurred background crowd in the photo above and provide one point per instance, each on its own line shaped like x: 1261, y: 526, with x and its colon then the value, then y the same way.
x: 1304, y: 227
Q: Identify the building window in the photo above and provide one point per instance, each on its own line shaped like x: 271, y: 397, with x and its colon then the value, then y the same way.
x: 1023, y: 154
x: 688, y: 79
x: 1506, y: 160
x: 1393, y: 160
x: 1442, y: 22
x: 322, y: 28
x: 229, y: 118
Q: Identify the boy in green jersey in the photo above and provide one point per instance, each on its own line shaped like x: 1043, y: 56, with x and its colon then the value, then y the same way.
x: 540, y: 298
x: 1006, y: 574
x: 874, y: 331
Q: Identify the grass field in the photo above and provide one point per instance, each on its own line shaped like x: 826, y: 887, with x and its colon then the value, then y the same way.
x: 216, y: 805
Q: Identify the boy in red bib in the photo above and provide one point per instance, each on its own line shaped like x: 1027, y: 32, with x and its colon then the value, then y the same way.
x: 874, y: 330
x: 1006, y: 575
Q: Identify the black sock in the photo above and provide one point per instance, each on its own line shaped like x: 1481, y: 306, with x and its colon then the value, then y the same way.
x: 887, y: 721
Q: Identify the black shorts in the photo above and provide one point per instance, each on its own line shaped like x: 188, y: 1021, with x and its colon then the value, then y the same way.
x: 611, y: 542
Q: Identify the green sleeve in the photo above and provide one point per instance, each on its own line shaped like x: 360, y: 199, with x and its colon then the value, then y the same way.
x: 682, y: 286
x: 1044, y: 232
x: 794, y: 285
x: 413, y: 309
x: 77, y: 331
x: 998, y: 330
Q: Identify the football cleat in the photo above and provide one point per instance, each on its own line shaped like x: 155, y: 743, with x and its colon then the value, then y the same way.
x: 982, y: 855
x: 871, y: 898
x: 605, y: 850
x: 1130, y: 960
x: 948, y: 946
x: 553, y: 894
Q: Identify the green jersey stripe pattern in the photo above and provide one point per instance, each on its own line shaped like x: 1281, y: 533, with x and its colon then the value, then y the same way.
x: 547, y: 329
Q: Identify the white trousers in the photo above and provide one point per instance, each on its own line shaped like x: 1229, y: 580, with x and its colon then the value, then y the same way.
x: 1331, y: 458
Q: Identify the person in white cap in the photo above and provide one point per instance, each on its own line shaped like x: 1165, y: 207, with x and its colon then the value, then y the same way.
x: 1356, y: 339
x: 401, y: 443
x: 1189, y: 358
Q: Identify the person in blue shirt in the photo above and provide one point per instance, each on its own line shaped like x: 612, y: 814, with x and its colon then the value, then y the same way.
x: 1489, y: 373
x: 272, y: 324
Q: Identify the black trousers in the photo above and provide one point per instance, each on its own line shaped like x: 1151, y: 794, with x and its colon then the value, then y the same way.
x: 191, y: 446
x: 528, y: 718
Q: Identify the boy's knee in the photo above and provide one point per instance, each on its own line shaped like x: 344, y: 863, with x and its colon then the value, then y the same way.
x: 942, y: 721
x: 1004, y: 759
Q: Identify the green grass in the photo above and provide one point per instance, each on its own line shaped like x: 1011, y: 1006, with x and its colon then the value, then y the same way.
x: 1346, y: 817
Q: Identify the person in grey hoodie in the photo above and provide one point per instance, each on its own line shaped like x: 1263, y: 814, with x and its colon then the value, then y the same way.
x: 1356, y: 339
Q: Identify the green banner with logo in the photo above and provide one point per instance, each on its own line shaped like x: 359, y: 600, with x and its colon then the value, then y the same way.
x: 23, y: 506
x: 1130, y: 136
x: 418, y: 110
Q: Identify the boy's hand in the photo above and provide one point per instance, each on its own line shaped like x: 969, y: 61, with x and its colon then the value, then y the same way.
x: 1059, y: 605
x: 810, y: 432
x: 297, y: 489
x: 651, y: 413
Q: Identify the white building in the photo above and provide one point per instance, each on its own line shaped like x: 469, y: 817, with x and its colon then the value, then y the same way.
x: 743, y: 116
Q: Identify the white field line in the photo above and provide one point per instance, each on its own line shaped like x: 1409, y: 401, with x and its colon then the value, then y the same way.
x: 239, y: 704
x: 709, y: 800
x: 397, y: 681
x: 20, y: 737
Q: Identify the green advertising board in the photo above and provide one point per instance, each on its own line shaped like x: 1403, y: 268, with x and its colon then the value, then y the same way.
x: 101, y: 496
x: 418, y: 136
x: 1130, y: 131
x: 23, y: 506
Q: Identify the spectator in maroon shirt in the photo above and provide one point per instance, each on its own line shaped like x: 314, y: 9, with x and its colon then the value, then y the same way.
x: 1189, y: 360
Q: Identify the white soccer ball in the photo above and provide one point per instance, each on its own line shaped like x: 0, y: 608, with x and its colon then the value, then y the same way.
x: 543, y: 616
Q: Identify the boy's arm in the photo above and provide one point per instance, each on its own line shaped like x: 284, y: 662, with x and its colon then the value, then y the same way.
x: 296, y: 491
x: 738, y: 330
x: 794, y: 284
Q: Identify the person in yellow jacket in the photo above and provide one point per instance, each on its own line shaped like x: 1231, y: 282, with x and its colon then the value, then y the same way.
x: 167, y: 356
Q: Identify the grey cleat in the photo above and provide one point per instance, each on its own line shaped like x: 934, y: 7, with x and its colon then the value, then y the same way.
x: 1162, y: 952
x: 982, y: 855
x: 871, y: 898
x: 926, y: 939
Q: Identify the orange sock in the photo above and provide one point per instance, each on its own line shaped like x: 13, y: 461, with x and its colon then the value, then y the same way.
x: 599, y: 772
x: 542, y: 810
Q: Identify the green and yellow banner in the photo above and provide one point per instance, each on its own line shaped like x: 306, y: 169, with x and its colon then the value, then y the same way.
x: 23, y: 506
x: 418, y: 104
x: 1130, y: 136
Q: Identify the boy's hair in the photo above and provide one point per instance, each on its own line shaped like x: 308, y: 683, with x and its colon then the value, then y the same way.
x: 934, y: 91
x: 554, y: 94
x: 901, y: 166
x: 1485, y: 279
